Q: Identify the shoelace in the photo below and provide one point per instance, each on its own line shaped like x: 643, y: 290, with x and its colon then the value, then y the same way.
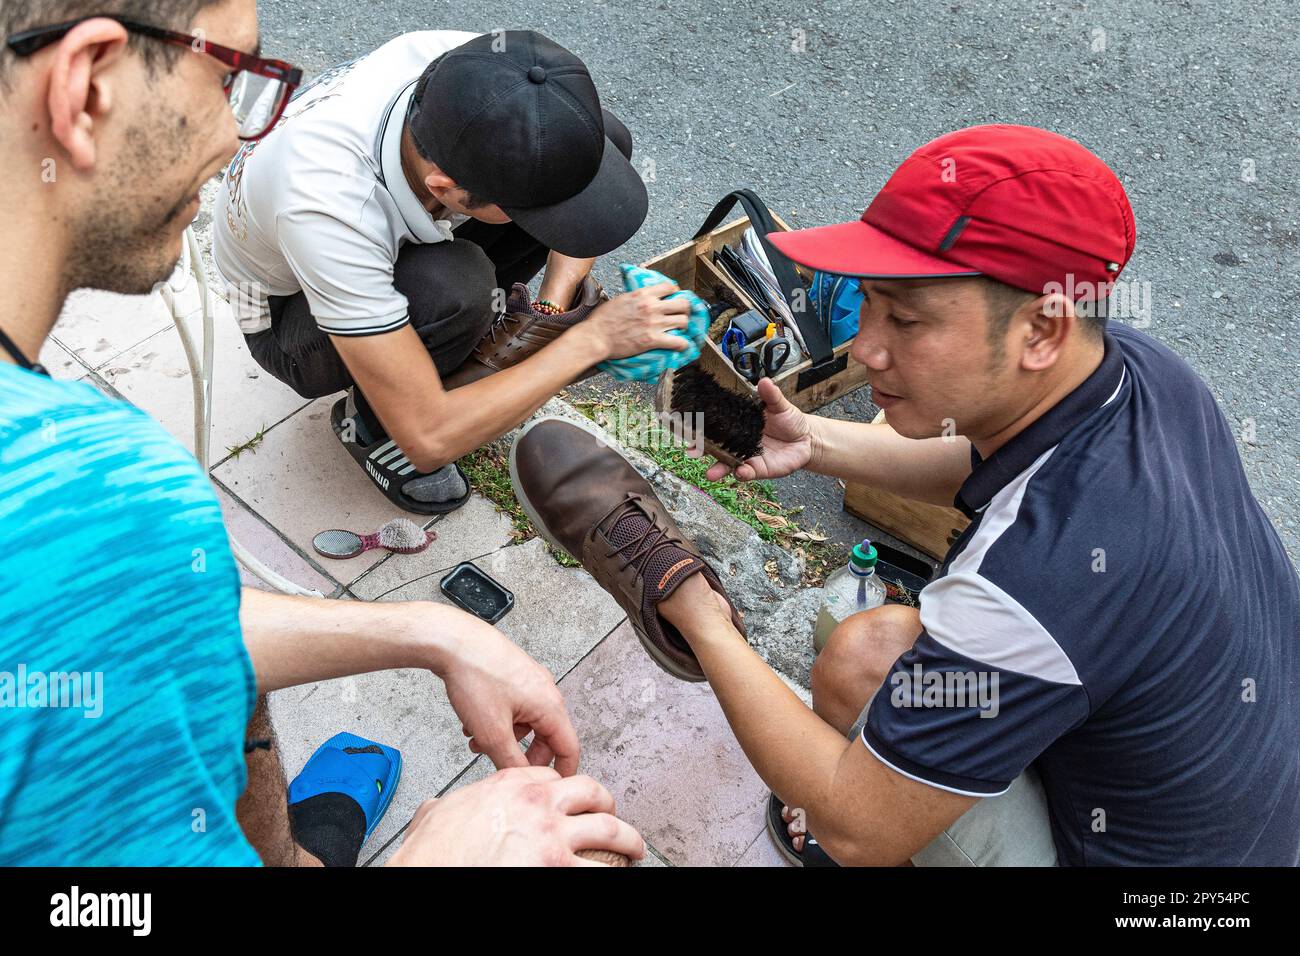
x: 646, y: 548
x: 499, y: 323
x: 517, y: 316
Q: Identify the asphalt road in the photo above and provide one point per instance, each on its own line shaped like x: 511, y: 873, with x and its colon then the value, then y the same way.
x: 1195, y: 106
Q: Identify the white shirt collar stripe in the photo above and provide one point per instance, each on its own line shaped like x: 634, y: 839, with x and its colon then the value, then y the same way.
x: 417, y: 218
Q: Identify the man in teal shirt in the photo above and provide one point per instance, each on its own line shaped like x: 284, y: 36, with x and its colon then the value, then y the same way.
x: 130, y: 660
x: 140, y: 588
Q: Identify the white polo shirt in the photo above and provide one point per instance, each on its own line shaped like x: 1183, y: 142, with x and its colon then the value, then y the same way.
x: 321, y: 204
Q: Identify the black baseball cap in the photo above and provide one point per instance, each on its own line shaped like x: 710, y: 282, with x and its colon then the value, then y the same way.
x: 513, y: 117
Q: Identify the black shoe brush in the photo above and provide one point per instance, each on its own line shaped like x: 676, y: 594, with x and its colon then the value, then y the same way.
x: 725, y: 407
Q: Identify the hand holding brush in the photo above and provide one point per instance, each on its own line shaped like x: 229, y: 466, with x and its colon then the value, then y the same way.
x: 787, y: 440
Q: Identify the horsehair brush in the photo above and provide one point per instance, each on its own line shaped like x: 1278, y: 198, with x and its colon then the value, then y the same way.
x: 732, y: 421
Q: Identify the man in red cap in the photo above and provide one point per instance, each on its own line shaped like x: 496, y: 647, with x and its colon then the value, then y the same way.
x: 1101, y: 672
x: 1119, y: 586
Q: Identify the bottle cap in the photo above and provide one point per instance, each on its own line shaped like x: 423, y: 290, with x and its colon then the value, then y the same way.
x: 863, y: 557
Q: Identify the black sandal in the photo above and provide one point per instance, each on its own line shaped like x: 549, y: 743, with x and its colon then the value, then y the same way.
x: 811, y: 855
x: 388, y: 468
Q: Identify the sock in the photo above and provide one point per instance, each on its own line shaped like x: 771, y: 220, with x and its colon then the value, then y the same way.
x: 330, y: 826
x: 445, y: 484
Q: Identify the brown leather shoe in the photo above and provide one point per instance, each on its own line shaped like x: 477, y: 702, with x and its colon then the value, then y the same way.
x: 521, y: 332
x: 586, y: 499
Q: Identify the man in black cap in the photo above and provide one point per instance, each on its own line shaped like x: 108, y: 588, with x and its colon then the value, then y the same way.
x: 381, y: 239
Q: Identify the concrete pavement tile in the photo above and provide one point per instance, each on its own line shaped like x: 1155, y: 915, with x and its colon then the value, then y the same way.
x: 406, y: 709
x: 268, y: 547
x: 59, y: 362
x: 302, y: 481
x: 664, y: 749
x: 559, y: 615
x: 155, y: 376
x: 467, y: 533
x: 631, y: 721
x: 762, y: 853
x: 96, y: 326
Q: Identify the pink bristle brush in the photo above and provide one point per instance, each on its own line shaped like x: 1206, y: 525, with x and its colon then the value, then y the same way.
x: 401, y: 536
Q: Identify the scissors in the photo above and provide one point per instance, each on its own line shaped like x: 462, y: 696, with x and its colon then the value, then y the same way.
x: 763, y: 358
x: 733, y: 342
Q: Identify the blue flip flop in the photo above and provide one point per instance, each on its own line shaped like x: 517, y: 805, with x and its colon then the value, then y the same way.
x: 356, y: 767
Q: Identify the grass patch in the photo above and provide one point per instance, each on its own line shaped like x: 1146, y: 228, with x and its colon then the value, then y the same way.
x: 234, y: 451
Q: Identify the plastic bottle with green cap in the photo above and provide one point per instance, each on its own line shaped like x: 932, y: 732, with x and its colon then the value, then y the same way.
x: 853, y: 588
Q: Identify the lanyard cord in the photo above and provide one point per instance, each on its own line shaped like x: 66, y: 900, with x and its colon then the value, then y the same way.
x: 8, y: 344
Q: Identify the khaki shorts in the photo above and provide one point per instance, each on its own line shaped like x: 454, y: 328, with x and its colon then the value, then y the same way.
x: 1011, y: 829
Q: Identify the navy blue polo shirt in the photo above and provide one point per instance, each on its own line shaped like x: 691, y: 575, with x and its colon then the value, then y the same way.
x: 1121, y: 613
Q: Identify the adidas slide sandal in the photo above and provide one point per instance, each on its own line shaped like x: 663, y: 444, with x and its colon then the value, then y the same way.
x: 387, y: 467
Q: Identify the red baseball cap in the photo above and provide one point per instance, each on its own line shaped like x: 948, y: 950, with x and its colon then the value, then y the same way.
x: 1015, y: 203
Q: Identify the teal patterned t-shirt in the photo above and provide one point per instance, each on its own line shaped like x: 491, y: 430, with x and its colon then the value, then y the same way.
x: 125, y: 688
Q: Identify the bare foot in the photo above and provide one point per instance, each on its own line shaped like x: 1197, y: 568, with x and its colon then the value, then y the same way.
x: 795, y: 827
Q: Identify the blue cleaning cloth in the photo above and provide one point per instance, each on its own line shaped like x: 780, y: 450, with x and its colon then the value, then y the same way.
x: 650, y: 365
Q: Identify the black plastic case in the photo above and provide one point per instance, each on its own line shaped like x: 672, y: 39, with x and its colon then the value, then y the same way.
x: 903, y: 575
x: 473, y: 589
